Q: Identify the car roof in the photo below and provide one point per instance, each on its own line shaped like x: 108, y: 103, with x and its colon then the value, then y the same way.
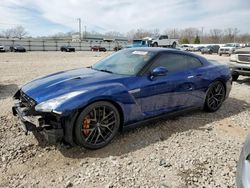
x: 159, y: 50
x: 152, y: 49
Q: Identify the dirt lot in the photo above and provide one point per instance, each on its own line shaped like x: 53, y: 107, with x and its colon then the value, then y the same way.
x: 194, y: 150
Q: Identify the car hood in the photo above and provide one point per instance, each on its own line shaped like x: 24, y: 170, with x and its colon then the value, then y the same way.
x: 205, y: 49
x: 243, y: 51
x: 54, y: 85
x: 19, y: 47
x: 224, y: 47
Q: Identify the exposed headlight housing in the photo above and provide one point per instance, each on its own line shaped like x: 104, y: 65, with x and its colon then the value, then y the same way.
x: 52, y: 104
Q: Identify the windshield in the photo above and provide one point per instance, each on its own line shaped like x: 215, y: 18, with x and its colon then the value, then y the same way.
x: 137, y: 41
x: 229, y: 45
x: 125, y: 62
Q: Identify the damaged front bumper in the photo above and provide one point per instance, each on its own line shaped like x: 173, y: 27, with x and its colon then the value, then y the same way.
x: 49, y: 125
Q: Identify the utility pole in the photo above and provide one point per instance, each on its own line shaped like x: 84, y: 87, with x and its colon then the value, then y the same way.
x: 85, y: 32
x: 80, y: 28
x: 202, y: 29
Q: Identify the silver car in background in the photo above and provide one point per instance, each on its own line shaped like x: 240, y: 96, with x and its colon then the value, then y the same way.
x: 240, y: 63
x: 2, y: 48
x: 228, y: 48
x: 243, y: 167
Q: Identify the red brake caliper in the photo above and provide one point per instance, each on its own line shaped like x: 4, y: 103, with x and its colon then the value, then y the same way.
x: 86, y: 125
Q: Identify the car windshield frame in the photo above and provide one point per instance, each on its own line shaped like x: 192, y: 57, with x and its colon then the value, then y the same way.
x: 125, y: 62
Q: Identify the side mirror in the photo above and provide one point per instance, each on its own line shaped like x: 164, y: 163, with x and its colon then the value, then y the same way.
x: 158, y: 71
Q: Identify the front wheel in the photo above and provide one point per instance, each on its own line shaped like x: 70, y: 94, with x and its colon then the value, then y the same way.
x: 235, y: 77
x: 215, y: 96
x: 97, y: 125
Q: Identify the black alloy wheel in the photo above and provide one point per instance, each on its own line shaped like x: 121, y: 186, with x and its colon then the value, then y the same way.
x: 97, y: 125
x: 215, y: 97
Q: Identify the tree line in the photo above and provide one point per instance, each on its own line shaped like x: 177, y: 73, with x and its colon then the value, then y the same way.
x: 185, y: 36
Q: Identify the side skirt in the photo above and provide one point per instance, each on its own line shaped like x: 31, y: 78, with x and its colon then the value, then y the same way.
x: 162, y: 116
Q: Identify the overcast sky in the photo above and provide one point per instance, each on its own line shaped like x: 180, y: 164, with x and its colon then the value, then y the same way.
x: 46, y: 17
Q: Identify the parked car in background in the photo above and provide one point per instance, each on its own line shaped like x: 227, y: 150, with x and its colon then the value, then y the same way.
x: 184, y: 47
x: 228, y: 48
x: 198, y: 48
x: 3, y: 48
x: 17, y: 48
x: 138, y: 43
x: 240, y: 63
x: 191, y: 48
x: 243, y: 166
x: 210, y: 49
x: 117, y: 48
x: 164, y: 41
x: 98, y: 49
x: 67, y: 48
x: 88, y: 106
x: 247, y: 45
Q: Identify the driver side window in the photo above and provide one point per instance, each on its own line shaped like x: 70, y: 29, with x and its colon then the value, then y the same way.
x: 176, y: 62
x: 172, y: 62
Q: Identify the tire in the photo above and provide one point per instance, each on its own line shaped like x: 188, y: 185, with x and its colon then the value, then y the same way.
x: 97, y: 131
x: 239, y: 170
x: 219, y: 54
x: 155, y: 44
x: 174, y: 45
x: 215, y: 96
x: 235, y: 77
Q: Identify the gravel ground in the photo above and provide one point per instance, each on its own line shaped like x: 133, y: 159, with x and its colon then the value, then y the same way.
x: 193, y: 150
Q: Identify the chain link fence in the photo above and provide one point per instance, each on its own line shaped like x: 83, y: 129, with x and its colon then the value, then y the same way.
x: 55, y: 45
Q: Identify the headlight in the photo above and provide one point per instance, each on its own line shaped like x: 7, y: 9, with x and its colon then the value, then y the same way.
x: 52, y: 104
x: 233, y: 58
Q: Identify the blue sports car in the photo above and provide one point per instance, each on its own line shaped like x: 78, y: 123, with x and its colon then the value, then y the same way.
x: 88, y: 106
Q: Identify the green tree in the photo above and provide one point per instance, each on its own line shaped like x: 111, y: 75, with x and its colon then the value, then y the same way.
x: 185, y: 40
x: 197, y: 40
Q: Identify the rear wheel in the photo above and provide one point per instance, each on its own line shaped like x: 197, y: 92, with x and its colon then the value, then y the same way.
x: 97, y: 125
x: 215, y: 96
x: 155, y: 44
x: 174, y: 45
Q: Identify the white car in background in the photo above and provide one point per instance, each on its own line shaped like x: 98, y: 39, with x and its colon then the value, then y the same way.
x: 228, y: 48
x: 3, y: 48
x: 240, y: 63
x: 164, y: 41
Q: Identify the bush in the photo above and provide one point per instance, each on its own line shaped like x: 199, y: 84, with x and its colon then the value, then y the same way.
x: 197, y: 40
x: 185, y: 41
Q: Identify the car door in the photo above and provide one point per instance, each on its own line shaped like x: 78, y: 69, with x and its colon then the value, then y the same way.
x: 170, y: 92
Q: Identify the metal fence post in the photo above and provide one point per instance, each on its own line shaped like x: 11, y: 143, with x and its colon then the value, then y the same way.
x: 29, y: 45
x: 56, y: 44
x: 43, y: 45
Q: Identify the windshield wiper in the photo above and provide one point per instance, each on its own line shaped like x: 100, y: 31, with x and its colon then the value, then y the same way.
x: 104, y: 70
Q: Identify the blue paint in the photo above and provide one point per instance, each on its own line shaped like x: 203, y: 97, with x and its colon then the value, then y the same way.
x: 139, y: 97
